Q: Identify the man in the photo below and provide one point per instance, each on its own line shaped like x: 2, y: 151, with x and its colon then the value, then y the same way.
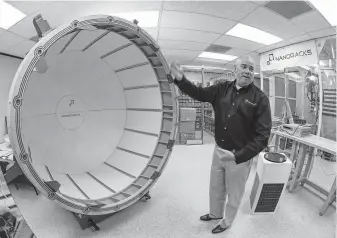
x: 242, y: 129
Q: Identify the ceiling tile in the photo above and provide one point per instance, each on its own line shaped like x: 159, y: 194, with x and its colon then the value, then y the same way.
x: 289, y: 9
x: 284, y: 43
x: 29, y: 7
x: 187, y: 53
x: 85, y: 8
x: 194, y: 21
x: 51, y: 13
x: 300, y: 38
x: 152, y: 31
x: 181, y: 55
x: 311, y: 21
x: 187, y: 35
x: 325, y: 32
x: 20, y: 49
x: 237, y: 52
x: 256, y: 58
x: 24, y: 28
x: 233, y: 10
x: 272, y: 23
x: 182, y: 45
x: 239, y: 43
x: 260, y: 3
x: 209, y: 62
x: 9, y: 39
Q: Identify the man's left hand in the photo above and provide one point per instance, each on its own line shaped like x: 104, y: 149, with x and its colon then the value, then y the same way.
x: 229, y: 156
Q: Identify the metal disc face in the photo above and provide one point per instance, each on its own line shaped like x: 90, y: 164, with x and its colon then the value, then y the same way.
x: 92, y: 114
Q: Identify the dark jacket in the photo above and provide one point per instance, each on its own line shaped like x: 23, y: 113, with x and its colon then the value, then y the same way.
x: 242, y: 117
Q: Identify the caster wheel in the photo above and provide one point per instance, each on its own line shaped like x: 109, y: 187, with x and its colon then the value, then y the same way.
x: 146, y: 197
x: 94, y: 229
x: 321, y: 214
x: 93, y: 225
x: 301, y: 183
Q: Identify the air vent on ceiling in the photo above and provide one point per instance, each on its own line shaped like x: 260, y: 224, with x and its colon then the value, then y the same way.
x: 217, y: 49
x: 289, y: 9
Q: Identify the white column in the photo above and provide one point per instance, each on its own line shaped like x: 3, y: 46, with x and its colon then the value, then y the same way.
x: 272, y: 94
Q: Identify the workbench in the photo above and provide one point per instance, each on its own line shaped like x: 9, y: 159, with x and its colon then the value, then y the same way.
x: 303, y: 144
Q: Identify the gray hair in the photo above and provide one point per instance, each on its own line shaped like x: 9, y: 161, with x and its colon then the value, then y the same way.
x: 246, y: 57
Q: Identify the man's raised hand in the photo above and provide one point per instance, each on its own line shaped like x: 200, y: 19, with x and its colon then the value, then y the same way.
x: 177, y: 71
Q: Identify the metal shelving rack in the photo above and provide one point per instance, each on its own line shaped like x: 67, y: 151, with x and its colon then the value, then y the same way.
x: 215, y: 77
x: 205, y: 115
x: 187, y: 102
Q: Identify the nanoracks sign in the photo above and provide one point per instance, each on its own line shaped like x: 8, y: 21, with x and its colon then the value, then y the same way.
x: 294, y: 55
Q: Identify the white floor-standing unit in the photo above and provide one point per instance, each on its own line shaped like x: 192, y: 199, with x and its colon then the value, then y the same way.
x: 272, y: 174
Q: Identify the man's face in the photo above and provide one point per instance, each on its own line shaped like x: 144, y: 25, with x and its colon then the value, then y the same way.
x: 244, y: 72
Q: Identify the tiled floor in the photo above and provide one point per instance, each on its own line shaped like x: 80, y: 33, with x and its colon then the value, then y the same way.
x: 178, y: 199
x: 208, y: 138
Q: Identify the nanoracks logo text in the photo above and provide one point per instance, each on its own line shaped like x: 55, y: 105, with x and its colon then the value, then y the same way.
x: 301, y: 53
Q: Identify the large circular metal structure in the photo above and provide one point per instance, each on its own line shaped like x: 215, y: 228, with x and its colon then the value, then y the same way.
x: 92, y: 107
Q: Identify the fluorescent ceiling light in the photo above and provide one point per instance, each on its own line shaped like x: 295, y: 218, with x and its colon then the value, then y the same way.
x: 9, y: 15
x: 327, y: 8
x: 144, y: 18
x: 217, y: 56
x: 253, y: 34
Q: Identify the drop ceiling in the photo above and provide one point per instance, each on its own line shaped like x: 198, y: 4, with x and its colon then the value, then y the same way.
x: 186, y: 28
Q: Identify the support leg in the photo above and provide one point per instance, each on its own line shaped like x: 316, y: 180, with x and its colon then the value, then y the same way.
x: 331, y: 197
x: 309, y: 164
x: 93, y: 224
x: 146, y: 197
x: 299, y: 167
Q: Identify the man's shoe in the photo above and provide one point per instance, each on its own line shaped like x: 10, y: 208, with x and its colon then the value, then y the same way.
x: 218, y: 229
x: 208, y: 218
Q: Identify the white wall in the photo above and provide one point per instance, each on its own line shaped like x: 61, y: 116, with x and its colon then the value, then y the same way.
x: 8, y: 67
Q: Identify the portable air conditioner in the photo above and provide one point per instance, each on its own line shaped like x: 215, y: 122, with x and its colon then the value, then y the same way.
x: 272, y: 174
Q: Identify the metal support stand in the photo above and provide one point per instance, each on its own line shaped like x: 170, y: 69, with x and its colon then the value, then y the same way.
x: 91, y: 221
x: 15, y: 175
x: 146, y: 197
x: 87, y: 221
x: 12, y: 173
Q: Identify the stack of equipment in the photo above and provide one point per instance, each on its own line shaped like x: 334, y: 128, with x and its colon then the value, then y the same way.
x: 296, y: 129
x: 187, y: 125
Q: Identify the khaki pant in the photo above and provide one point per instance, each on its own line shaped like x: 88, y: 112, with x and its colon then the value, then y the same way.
x: 227, y: 178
